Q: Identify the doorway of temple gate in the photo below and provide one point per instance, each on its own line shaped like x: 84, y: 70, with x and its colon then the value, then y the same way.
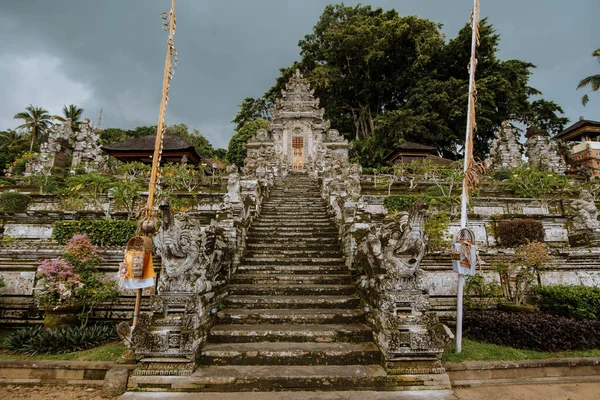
x: 298, y: 153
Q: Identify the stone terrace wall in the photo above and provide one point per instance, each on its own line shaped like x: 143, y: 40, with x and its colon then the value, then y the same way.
x: 579, y: 266
x: 27, y: 241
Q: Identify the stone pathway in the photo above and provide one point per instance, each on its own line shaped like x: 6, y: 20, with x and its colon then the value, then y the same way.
x: 292, y: 318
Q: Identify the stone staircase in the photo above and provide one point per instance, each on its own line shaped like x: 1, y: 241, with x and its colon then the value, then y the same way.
x: 292, y: 319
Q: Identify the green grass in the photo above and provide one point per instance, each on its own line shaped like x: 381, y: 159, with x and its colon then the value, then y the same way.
x: 476, y: 351
x: 108, y: 352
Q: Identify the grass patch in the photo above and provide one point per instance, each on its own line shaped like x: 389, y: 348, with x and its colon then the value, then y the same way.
x: 476, y: 351
x: 108, y: 352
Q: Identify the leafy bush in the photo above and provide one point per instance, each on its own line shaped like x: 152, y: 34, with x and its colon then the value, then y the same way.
x: 405, y: 202
x: 579, y: 302
x: 531, y: 182
x: 14, y: 202
x: 100, y: 232
x: 436, y: 229
x: 481, y: 294
x: 519, y: 232
x: 534, y: 331
x: 34, y: 340
x: 502, y: 174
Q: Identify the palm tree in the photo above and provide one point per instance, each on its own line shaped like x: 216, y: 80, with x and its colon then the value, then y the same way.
x: 592, y: 81
x: 37, y: 121
x: 74, y: 113
x: 10, y: 140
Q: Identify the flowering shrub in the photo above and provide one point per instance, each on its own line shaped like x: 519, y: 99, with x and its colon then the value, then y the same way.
x: 74, y: 279
x: 81, y: 252
x: 58, y: 283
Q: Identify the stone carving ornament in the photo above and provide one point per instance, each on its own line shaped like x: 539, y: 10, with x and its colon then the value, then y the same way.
x: 192, y: 256
x: 586, y: 213
x: 394, y: 251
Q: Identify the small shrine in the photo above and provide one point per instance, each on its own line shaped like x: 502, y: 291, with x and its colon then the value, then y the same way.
x: 583, y: 140
x: 175, y: 150
x: 408, y: 152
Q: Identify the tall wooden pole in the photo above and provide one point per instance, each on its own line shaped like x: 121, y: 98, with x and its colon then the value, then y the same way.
x: 158, y: 144
x: 467, y: 163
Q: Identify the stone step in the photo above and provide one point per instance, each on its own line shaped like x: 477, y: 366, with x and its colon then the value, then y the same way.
x: 291, y: 302
x: 292, y: 239
x: 292, y: 269
x: 292, y: 280
x: 293, y: 378
x: 299, y: 316
x: 294, y: 244
x: 300, y: 229
x: 284, y: 353
x: 291, y: 290
x: 293, y: 261
x: 285, y: 233
x: 320, y: 333
x: 276, y: 218
x: 291, y: 252
x: 293, y: 223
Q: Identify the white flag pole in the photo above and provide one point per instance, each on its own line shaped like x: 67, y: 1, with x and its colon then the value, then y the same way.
x: 467, y: 161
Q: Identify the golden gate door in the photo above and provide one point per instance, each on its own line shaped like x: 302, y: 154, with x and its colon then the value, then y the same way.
x: 298, y: 153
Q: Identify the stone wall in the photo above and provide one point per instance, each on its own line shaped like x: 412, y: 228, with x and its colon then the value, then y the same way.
x: 579, y: 266
x: 26, y: 240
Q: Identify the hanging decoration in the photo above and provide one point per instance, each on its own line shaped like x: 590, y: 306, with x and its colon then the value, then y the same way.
x: 137, y: 271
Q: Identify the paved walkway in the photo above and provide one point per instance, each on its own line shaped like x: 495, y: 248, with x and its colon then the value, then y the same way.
x: 565, y: 391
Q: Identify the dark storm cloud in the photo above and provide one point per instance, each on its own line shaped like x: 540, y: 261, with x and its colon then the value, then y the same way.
x: 110, y: 53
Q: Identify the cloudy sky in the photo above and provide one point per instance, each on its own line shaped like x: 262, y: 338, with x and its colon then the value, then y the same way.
x: 110, y: 53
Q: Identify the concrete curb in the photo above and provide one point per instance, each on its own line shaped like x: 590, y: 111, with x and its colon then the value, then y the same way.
x: 470, y: 373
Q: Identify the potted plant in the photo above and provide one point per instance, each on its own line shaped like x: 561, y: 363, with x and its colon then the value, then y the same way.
x: 57, y: 293
x: 69, y: 288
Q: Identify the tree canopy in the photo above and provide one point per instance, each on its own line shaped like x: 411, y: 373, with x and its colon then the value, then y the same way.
x: 593, y: 81
x: 383, y: 78
x: 236, y: 153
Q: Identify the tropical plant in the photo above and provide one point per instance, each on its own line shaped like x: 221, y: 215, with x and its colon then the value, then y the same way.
x: 593, y: 81
x: 92, y: 186
x: 73, y: 113
x: 126, y: 194
x: 533, y: 256
x: 34, y: 340
x: 481, y: 294
x: 11, y: 140
x: 36, y: 121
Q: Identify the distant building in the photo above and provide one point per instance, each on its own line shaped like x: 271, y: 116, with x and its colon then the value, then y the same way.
x: 408, y: 152
x: 142, y: 149
x: 583, y: 140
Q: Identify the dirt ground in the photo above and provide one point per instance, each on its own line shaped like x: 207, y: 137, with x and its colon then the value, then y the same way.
x: 566, y: 391
x: 49, y: 393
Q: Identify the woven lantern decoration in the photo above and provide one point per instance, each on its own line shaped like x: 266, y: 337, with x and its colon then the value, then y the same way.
x: 136, y: 270
x: 464, y: 252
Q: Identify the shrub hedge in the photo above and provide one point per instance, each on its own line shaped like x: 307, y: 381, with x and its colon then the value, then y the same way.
x: 34, y: 340
x: 14, y: 202
x: 405, y: 202
x: 579, y: 302
x: 533, y: 331
x: 518, y: 232
x: 104, y: 232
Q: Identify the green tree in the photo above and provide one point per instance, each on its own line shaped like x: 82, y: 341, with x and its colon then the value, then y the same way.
x: 593, y: 81
x: 195, y: 138
x: 383, y: 78
x: 112, y: 135
x: 12, y: 145
x: 236, y: 153
x: 251, y: 109
x: 36, y: 121
x: 71, y: 112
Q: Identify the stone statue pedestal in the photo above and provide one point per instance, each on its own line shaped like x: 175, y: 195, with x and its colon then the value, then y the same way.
x: 584, y: 238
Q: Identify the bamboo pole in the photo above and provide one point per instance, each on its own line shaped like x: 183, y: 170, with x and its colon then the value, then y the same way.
x: 467, y: 163
x: 159, y: 141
